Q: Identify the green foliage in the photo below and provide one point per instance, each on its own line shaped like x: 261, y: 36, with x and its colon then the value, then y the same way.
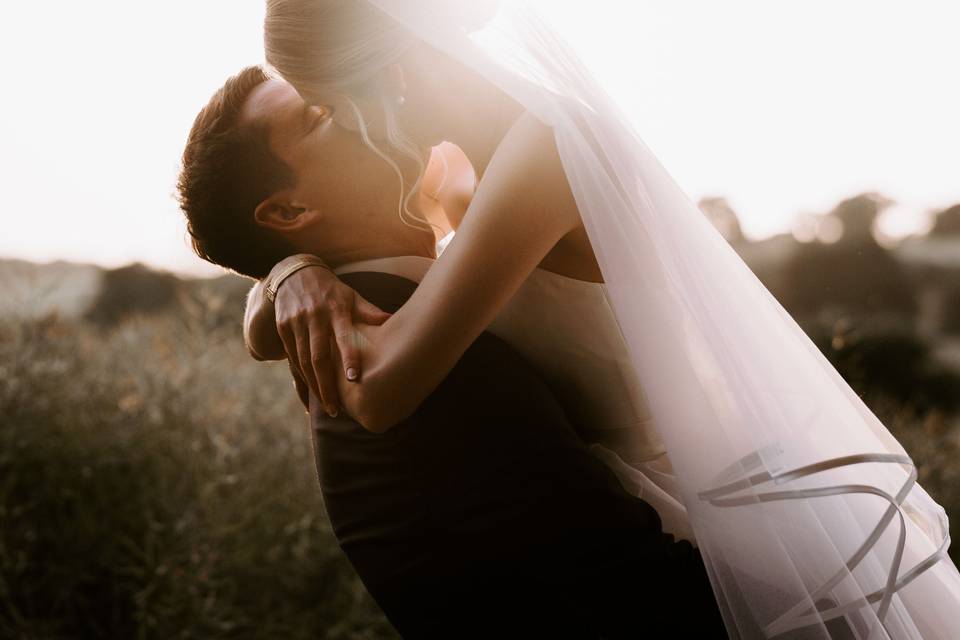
x: 157, y: 483
x: 884, y: 359
x: 947, y: 222
x: 860, y: 278
x: 132, y: 289
x: 931, y: 440
x: 951, y: 303
x: 912, y: 394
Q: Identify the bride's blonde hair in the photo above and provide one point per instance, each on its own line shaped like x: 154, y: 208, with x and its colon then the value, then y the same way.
x: 339, y: 47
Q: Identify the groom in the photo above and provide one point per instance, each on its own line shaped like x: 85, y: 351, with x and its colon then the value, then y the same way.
x: 482, y: 514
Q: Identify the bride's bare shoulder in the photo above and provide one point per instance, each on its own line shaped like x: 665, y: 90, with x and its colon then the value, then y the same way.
x: 528, y: 136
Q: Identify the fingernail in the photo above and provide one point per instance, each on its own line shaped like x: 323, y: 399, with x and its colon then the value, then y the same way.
x: 332, y: 412
x: 351, y: 374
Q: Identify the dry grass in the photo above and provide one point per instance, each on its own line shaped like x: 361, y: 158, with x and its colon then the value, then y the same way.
x: 156, y: 483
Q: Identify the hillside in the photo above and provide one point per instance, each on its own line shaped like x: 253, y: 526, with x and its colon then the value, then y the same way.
x: 87, y: 292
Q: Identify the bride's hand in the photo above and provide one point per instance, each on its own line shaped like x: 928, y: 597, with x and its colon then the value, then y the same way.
x: 315, y: 314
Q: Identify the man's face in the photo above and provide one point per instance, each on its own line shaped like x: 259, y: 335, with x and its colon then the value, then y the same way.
x: 355, y: 190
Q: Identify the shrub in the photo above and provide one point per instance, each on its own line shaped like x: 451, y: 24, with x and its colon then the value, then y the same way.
x: 883, y: 359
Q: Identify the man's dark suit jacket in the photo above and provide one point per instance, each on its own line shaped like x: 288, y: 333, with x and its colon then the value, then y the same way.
x: 484, y: 515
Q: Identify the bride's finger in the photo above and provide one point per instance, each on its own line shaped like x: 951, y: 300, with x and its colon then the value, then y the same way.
x: 321, y: 368
x: 300, y: 386
x: 289, y: 341
x: 304, y: 361
x: 369, y: 313
x: 343, y: 334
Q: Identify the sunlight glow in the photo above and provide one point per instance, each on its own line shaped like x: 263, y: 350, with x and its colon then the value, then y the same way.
x: 782, y: 108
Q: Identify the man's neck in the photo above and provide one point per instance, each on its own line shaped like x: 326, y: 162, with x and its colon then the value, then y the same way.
x: 412, y: 268
x: 364, y: 254
x: 404, y: 241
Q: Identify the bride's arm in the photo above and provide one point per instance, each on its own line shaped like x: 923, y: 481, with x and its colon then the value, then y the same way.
x: 522, y: 208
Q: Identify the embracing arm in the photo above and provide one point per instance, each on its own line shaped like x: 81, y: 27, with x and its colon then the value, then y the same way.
x: 521, y: 209
x: 312, y: 320
x: 313, y: 308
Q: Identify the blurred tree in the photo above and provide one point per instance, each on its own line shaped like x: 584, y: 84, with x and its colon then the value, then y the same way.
x: 947, y: 223
x: 723, y: 217
x: 950, y: 318
x: 858, y: 216
x: 884, y: 360
x: 854, y: 275
x: 132, y: 289
x: 138, y: 290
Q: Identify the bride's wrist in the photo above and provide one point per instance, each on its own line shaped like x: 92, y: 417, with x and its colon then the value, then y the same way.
x: 286, y: 268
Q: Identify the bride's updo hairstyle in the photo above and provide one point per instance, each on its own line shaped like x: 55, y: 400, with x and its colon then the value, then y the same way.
x: 339, y: 48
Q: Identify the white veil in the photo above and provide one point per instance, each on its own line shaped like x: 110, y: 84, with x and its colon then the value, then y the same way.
x: 804, y: 506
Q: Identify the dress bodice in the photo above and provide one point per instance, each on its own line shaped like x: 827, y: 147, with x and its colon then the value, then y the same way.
x: 567, y: 329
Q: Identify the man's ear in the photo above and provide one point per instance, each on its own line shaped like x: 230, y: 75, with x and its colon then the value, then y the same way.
x: 282, y: 214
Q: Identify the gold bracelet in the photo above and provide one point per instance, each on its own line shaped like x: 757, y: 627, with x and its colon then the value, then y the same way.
x: 300, y: 261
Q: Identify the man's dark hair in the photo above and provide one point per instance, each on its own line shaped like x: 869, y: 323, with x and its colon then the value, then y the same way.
x: 228, y: 170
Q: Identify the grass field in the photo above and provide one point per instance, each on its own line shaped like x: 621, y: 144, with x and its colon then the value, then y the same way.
x: 157, y: 483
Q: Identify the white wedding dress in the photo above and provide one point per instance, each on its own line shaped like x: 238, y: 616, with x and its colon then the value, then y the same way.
x: 566, y: 328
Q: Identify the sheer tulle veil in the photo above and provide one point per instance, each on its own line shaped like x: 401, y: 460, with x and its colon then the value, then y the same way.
x: 805, y: 507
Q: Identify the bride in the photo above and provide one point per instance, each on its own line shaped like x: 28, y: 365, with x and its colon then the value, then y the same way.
x: 785, y: 477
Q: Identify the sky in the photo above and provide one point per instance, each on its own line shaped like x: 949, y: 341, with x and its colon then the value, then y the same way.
x: 783, y: 107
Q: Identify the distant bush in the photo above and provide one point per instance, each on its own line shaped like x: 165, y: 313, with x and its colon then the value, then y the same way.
x: 137, y: 290
x: 951, y: 309
x: 885, y: 361
x: 133, y: 289
x: 947, y: 222
x: 156, y: 483
x: 859, y: 278
x: 932, y: 442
